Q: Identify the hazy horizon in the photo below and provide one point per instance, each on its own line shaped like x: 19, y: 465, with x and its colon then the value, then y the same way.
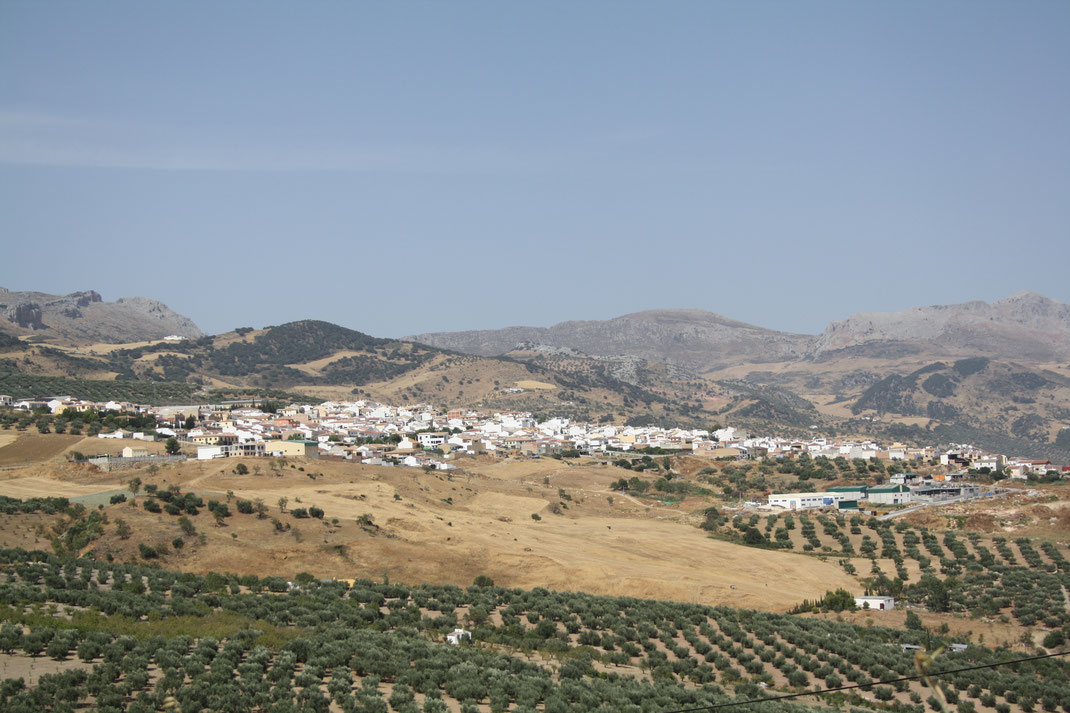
x: 402, y: 333
x: 422, y: 167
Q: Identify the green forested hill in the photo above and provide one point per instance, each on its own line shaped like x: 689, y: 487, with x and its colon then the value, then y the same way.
x: 267, y: 357
x: 318, y: 356
x: 1004, y: 406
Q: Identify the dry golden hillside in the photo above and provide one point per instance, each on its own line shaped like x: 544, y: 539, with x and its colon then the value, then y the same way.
x: 433, y: 527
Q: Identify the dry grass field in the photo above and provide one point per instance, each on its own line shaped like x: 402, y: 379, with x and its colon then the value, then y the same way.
x: 42, y: 487
x: 432, y: 527
x: 536, y: 385
x: 991, y: 633
x: 25, y: 531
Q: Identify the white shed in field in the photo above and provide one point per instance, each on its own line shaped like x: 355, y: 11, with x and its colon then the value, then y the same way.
x: 880, y: 603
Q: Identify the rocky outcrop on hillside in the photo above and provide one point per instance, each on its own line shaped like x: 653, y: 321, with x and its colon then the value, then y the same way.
x: 1023, y: 326
x: 693, y: 339
x: 85, y: 317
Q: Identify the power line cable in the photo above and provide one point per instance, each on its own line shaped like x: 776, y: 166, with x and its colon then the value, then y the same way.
x: 788, y: 696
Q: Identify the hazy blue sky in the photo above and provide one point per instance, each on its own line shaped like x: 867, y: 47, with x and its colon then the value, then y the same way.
x: 399, y: 167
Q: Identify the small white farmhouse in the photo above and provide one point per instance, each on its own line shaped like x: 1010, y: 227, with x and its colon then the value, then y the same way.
x: 458, y: 636
x: 882, y: 603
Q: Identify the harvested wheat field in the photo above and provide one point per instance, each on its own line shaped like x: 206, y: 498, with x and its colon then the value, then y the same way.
x: 30, y: 448
x: 427, y: 527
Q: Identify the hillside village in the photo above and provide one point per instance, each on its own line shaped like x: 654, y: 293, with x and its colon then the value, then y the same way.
x: 422, y: 436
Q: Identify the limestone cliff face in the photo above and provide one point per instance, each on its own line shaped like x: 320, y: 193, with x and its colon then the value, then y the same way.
x: 1023, y: 326
x: 26, y: 315
x: 86, y: 317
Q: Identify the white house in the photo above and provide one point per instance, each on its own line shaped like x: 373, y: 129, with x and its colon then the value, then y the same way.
x: 879, y: 603
x: 210, y: 452
x: 458, y: 636
x: 234, y: 450
x: 431, y: 440
x: 864, y: 452
x: 724, y: 434
x: 491, y: 429
x: 5, y: 400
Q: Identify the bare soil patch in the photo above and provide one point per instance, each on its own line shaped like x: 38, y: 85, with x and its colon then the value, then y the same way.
x: 31, y: 669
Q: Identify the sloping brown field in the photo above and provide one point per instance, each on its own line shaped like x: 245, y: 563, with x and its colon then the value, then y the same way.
x: 449, y: 529
x: 30, y: 448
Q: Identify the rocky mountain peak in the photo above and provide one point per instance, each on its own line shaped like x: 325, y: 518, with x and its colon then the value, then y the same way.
x: 694, y: 339
x: 1024, y: 325
x: 85, y: 317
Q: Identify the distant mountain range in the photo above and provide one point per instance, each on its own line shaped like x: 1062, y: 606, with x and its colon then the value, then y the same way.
x: 993, y: 374
x: 84, y: 317
x: 1024, y: 326
x: 996, y: 375
x: 689, y: 338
